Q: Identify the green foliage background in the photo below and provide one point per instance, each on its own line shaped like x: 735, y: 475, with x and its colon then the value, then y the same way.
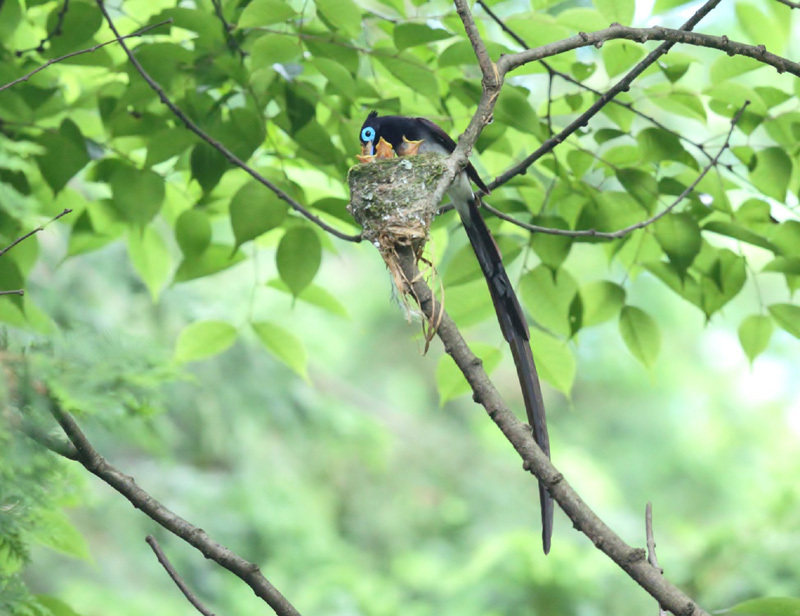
x: 251, y: 371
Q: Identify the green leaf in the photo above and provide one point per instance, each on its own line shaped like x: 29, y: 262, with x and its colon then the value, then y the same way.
x: 138, y: 195
x: 265, y: 13
x: 274, y: 49
x: 787, y: 316
x: 408, y: 70
x: 150, y: 258
x: 754, y: 334
x: 514, y: 109
x: 339, y: 78
x: 54, y: 529
x: 618, y: 56
x: 640, y: 185
x: 784, y: 265
x: 411, y: 35
x: 284, y: 346
x: 341, y: 15
x: 203, y: 339
x: 450, y: 381
x: 768, y: 606
x: 760, y: 29
x: 555, y: 362
x: 316, y: 296
x: 298, y: 257
x: 725, y: 67
x: 602, y: 300
x: 214, y: 259
x: 722, y: 281
x: 772, y: 172
x: 193, y: 232
x: 65, y: 155
x: 207, y: 165
x: 548, y: 296
x: 679, y: 237
x: 640, y: 333
x: 78, y: 25
x: 738, y: 232
x: 551, y: 249
x: 657, y: 144
x: 620, y: 11
x: 254, y: 210
x: 55, y: 606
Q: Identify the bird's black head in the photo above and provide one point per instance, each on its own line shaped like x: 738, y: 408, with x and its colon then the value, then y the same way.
x: 370, y: 130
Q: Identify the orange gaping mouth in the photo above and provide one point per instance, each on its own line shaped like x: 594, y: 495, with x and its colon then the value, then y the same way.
x: 384, y: 149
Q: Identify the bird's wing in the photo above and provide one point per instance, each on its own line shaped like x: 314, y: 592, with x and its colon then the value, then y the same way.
x: 447, y: 142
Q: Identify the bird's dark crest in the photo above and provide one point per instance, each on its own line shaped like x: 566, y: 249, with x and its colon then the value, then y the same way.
x: 372, y: 114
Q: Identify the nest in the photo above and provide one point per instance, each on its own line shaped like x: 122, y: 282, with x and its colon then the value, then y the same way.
x: 390, y: 199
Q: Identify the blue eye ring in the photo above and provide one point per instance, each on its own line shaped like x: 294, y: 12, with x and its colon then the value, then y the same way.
x: 367, y: 134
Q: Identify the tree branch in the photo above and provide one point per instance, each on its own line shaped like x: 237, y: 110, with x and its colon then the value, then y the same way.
x: 96, y: 464
x: 230, y: 156
x: 19, y: 240
x: 641, y: 35
x: 82, y: 51
x: 632, y: 561
x: 651, y: 545
x: 162, y: 558
x: 594, y: 109
x: 612, y: 235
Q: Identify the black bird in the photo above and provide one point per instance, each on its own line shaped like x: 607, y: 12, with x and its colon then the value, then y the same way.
x: 380, y: 136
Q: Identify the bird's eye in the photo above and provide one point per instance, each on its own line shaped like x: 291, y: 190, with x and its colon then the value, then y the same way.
x: 367, y: 134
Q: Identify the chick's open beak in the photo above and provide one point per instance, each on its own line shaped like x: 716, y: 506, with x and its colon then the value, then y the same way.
x: 382, y: 150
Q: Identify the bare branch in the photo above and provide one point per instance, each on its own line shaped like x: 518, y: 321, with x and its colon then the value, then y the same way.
x: 230, y: 156
x: 621, y: 85
x: 82, y: 51
x: 162, y: 558
x: 19, y: 240
x: 632, y: 561
x: 651, y: 546
x: 642, y: 35
x: 489, y: 70
x: 612, y: 235
x: 96, y: 464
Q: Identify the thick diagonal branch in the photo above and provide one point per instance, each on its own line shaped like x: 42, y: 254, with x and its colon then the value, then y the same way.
x: 632, y: 560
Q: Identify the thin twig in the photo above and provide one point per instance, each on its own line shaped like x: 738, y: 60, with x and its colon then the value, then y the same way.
x: 82, y: 51
x: 230, y: 156
x: 96, y: 464
x: 651, y: 546
x: 612, y: 235
x: 13, y: 292
x: 162, y: 558
x: 56, y: 31
x: 227, y: 30
x: 35, y: 231
x: 790, y: 4
x: 632, y: 561
x: 594, y: 109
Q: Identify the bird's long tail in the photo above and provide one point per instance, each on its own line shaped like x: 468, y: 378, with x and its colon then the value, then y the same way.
x: 515, y: 331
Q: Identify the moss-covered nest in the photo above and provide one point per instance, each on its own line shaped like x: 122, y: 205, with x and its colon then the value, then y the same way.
x: 390, y: 199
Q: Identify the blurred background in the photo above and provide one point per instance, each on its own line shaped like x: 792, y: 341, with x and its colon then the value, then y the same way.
x: 357, y: 492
